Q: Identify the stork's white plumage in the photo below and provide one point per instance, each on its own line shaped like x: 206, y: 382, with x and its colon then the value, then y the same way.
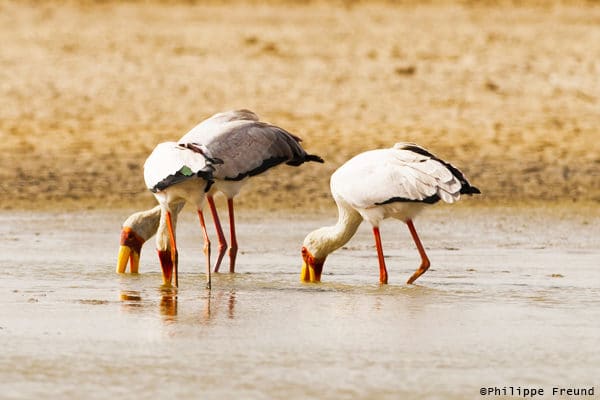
x: 247, y: 147
x: 387, y: 183
x: 177, y: 174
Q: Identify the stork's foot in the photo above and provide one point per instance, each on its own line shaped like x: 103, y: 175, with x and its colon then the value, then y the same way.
x: 422, y: 269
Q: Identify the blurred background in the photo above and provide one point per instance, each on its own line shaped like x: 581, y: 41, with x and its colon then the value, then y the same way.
x: 509, y: 93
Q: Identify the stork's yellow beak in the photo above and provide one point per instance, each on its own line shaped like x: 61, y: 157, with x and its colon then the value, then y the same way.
x: 311, y: 267
x: 126, y: 254
x: 305, y: 272
x: 130, y: 250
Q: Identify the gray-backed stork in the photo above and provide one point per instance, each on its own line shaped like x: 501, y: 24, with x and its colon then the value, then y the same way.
x: 386, y: 183
x: 176, y: 174
x: 247, y: 147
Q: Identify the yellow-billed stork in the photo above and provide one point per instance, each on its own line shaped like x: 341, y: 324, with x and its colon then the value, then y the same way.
x: 177, y: 174
x: 248, y: 147
x: 398, y: 183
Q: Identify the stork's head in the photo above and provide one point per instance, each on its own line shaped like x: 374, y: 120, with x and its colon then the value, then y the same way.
x: 137, y: 229
x: 314, y: 253
x: 311, y: 267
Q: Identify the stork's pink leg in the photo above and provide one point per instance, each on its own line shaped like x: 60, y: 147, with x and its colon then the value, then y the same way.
x: 219, y: 229
x: 234, y: 245
x: 173, y: 250
x: 424, y: 259
x: 206, y: 248
x: 383, y: 275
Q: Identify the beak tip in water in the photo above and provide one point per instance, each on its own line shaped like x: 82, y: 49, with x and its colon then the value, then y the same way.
x: 122, y: 258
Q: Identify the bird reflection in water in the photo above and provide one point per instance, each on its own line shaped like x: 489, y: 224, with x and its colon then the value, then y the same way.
x: 212, y: 310
x: 132, y: 301
x: 168, y: 303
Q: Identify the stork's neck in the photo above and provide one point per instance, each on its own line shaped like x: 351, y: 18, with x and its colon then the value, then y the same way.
x: 144, y: 223
x: 326, y: 240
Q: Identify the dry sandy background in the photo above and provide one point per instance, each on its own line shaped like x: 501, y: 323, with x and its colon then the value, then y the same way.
x: 510, y: 94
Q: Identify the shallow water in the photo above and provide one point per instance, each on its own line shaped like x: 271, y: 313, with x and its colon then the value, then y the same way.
x: 512, y: 299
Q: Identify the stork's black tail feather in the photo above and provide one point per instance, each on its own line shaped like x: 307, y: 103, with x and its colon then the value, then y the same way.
x: 468, y: 189
x: 314, y: 157
x: 307, y: 157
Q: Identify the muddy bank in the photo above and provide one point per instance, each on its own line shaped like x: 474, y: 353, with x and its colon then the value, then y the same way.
x: 508, y: 94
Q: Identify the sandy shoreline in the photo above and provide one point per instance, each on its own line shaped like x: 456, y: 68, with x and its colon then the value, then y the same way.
x: 509, y: 95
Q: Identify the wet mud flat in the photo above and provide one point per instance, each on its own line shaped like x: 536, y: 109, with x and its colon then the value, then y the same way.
x: 512, y: 300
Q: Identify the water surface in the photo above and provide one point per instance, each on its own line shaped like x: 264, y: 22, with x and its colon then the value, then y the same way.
x: 512, y: 299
